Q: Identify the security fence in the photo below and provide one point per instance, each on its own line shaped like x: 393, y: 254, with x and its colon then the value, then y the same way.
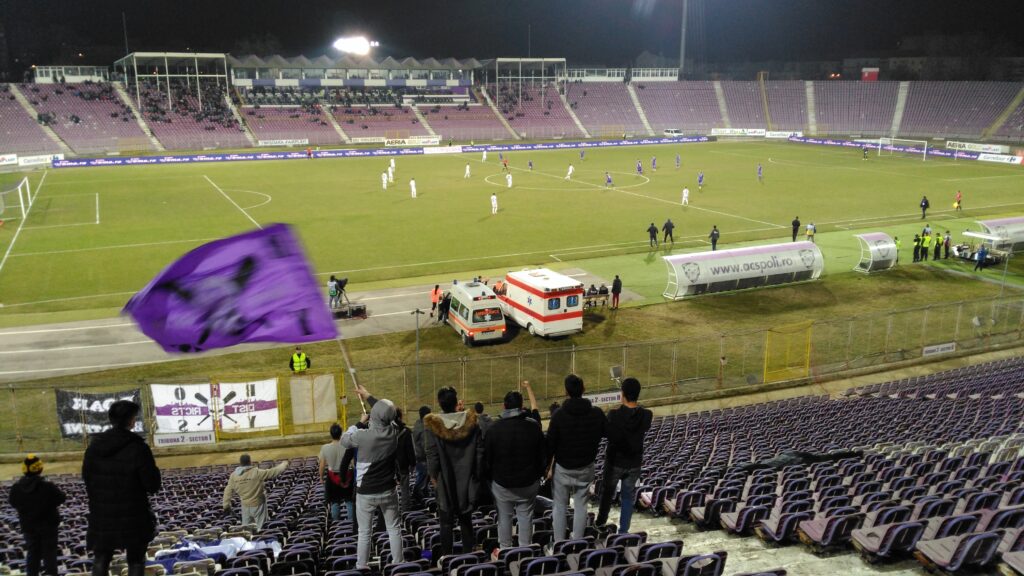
x: 44, y: 419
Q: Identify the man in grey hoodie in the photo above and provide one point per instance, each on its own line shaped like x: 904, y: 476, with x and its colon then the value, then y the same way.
x: 454, y: 447
x: 249, y: 482
x: 377, y: 462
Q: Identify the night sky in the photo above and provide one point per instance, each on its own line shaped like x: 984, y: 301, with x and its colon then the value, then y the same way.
x: 587, y: 32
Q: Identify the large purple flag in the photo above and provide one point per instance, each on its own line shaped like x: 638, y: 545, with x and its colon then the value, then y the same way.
x: 254, y: 287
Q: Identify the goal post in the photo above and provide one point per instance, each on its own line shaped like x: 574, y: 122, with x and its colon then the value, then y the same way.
x: 903, y: 147
x: 16, y: 200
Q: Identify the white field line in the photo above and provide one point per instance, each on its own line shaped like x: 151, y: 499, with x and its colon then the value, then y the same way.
x: 235, y: 204
x: 621, y: 191
x: 68, y: 299
x: 113, y: 247
x: 47, y: 226
x: 71, y: 329
x: 982, y: 177
x: 79, y: 368
x: 21, y: 224
x: 97, y: 207
x: 84, y: 347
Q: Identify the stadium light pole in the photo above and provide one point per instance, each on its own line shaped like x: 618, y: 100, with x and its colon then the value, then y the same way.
x: 682, y: 39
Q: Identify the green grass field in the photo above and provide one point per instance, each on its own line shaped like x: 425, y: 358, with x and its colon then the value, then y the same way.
x: 96, y: 235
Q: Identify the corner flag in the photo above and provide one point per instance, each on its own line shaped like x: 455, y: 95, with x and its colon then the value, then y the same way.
x: 254, y: 287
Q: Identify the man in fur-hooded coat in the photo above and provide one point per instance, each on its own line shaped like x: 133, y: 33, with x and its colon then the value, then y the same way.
x: 453, y: 444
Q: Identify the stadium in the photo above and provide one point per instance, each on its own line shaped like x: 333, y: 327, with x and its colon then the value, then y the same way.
x: 233, y: 255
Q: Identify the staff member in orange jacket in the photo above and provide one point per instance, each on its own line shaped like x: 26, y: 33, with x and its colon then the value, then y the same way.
x: 435, y: 297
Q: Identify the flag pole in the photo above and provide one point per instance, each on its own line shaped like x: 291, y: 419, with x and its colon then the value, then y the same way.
x: 351, y: 370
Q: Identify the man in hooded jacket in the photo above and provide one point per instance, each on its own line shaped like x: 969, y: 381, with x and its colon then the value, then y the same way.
x: 627, y: 425
x: 378, y: 460
x: 574, y: 434
x: 120, y: 474
x: 454, y: 446
x: 37, y: 502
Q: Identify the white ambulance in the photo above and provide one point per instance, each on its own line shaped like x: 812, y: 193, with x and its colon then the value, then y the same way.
x: 475, y: 313
x: 546, y: 303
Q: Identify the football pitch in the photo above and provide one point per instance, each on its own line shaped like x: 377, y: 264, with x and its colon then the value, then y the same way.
x: 96, y: 235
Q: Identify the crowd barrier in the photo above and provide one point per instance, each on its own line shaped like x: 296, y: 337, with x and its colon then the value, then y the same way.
x: 226, y: 408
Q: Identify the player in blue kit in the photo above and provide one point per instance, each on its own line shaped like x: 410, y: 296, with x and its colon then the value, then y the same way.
x: 700, y: 181
x: 654, y: 164
x: 679, y: 161
x: 639, y: 168
x: 760, y: 173
x: 608, y: 180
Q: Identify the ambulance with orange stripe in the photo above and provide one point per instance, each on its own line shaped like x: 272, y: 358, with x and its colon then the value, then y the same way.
x: 544, y: 302
x: 475, y: 313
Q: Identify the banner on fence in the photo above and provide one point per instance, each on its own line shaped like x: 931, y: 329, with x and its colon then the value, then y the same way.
x: 937, y: 349
x: 1001, y: 158
x: 248, y: 406
x: 181, y: 409
x: 81, y: 413
x: 757, y: 132
x: 782, y: 135
x: 44, y: 159
x: 294, y: 142
x: 604, y: 398
x: 367, y: 140
x: 313, y: 399
x: 973, y: 147
x: 8, y: 159
x: 443, y: 150
x: 413, y: 141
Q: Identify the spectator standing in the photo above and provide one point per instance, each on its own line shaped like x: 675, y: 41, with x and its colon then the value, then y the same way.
x: 627, y: 425
x: 453, y: 445
x: 483, y: 420
x: 938, y: 246
x: 917, y: 247
x: 120, y: 474
x: 714, y: 237
x: 37, y: 502
x: 796, y: 227
x: 924, y: 206
x: 329, y: 461
x: 926, y: 244
x: 299, y: 362
x: 249, y: 482
x: 377, y: 461
x: 421, y: 457
x: 514, y: 461
x: 407, y: 459
x: 574, y: 433
x: 981, y: 256
x: 616, y: 291
x: 947, y: 243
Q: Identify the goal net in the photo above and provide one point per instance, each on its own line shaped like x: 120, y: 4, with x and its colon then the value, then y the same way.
x: 15, y: 200
x: 903, y: 147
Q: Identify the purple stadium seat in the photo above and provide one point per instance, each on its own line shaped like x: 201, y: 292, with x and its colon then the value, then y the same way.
x: 956, y: 552
x: 887, y: 540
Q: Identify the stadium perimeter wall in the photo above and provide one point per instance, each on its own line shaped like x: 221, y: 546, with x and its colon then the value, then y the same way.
x: 673, y: 372
x: 60, y: 162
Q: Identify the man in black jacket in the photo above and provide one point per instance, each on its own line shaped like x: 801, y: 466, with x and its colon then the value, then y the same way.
x: 514, y: 462
x: 407, y: 456
x: 453, y: 445
x: 627, y: 425
x: 120, y: 474
x: 574, y: 434
x: 37, y: 502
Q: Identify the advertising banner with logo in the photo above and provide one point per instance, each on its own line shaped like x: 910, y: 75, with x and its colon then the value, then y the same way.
x: 8, y: 159
x: 413, y: 141
x: 741, y: 268
x: 184, y: 414
x: 755, y: 132
x: 1001, y: 158
x: 973, y: 147
x: 43, y: 160
x: 296, y: 142
x: 247, y: 406
x: 82, y: 413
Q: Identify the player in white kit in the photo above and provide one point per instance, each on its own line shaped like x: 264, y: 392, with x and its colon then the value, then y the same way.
x: 484, y: 159
x: 686, y: 196
x: 392, y: 165
x: 391, y: 173
x: 384, y: 180
x: 494, y: 203
x: 508, y: 178
x: 466, y: 176
x: 568, y: 175
x: 412, y: 187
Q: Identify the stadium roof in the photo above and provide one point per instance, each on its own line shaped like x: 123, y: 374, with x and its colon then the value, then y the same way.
x: 349, y: 61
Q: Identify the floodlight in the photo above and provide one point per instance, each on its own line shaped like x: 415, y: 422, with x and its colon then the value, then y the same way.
x: 354, y: 45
